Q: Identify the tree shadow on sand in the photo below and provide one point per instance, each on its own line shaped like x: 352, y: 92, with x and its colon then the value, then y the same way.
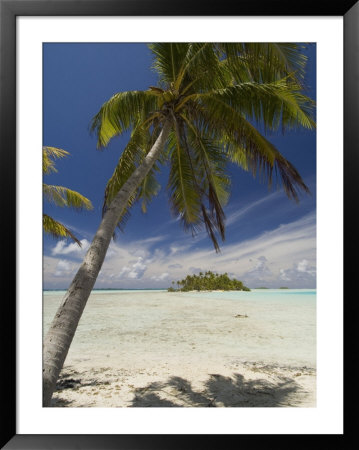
x: 219, y: 391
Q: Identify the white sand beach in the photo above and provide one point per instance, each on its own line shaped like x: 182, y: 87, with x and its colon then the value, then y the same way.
x: 208, y: 349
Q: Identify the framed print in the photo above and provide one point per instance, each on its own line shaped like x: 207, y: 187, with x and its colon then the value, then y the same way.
x: 185, y: 336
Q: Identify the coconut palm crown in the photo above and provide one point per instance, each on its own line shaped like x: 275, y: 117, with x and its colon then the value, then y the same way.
x: 59, y: 195
x: 215, y: 97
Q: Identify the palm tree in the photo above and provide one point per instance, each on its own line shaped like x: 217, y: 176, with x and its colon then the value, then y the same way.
x: 59, y: 195
x: 203, y: 114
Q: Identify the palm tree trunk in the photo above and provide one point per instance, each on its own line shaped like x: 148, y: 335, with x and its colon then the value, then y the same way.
x: 62, y: 330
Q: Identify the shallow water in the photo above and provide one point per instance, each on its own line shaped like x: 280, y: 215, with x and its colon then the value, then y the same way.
x: 157, y: 327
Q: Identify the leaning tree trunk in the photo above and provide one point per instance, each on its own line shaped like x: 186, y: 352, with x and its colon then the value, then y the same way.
x: 59, y: 337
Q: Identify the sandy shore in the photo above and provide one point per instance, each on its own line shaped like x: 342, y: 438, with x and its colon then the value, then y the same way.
x: 176, y: 350
x: 238, y: 386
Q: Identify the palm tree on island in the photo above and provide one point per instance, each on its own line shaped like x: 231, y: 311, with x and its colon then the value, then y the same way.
x: 208, y: 281
x: 204, y: 114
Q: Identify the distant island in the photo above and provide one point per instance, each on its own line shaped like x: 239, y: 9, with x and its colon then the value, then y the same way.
x: 263, y: 287
x: 208, y: 281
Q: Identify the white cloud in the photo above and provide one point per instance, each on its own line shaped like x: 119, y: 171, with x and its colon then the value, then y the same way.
x: 63, y: 268
x: 152, y: 240
x: 259, y: 272
x: 134, y: 272
x: 304, y: 267
x: 63, y: 265
x: 62, y: 249
x: 260, y: 258
x: 302, y: 272
x: 161, y: 277
x: 286, y: 253
x: 283, y: 275
x: 125, y: 270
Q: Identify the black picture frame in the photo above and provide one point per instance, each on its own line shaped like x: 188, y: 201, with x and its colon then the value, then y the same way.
x: 9, y: 10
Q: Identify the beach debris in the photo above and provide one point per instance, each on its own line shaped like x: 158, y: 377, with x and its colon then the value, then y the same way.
x: 241, y: 316
x: 67, y: 383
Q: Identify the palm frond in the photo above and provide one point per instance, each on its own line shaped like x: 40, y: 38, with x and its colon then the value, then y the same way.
x: 168, y: 60
x: 132, y: 156
x: 242, y: 140
x: 211, y: 163
x: 264, y: 61
x: 49, y: 154
x: 201, y: 70
x: 62, y: 196
x: 211, y: 160
x: 183, y: 195
x: 274, y: 105
x: 149, y: 188
x: 195, y: 174
x: 121, y: 112
x: 57, y: 229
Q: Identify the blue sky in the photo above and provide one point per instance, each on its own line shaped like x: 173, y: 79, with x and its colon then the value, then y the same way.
x: 270, y: 240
